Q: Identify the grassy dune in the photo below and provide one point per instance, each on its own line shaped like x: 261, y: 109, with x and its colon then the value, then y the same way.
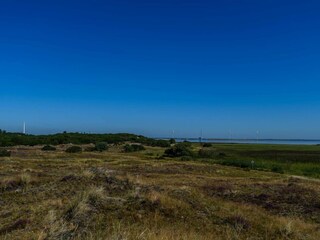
x: 116, y: 195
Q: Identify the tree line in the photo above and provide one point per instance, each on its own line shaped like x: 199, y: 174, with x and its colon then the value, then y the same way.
x: 8, y: 139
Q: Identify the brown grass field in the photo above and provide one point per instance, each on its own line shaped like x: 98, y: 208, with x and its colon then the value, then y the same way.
x: 115, y: 195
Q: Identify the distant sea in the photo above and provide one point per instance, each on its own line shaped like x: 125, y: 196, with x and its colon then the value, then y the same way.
x: 252, y: 141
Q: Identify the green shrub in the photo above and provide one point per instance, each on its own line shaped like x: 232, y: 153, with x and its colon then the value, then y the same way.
x: 172, y: 141
x: 48, y: 148
x: 152, y: 142
x: 179, y: 150
x: 133, y: 148
x: 277, y: 169
x: 74, y: 149
x: 158, y: 143
x: 5, y: 153
x: 101, y: 146
x: 206, y: 145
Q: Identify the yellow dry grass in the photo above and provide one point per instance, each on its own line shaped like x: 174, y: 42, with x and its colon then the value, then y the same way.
x: 113, y: 195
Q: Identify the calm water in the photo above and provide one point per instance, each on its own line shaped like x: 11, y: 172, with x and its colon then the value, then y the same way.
x: 252, y: 141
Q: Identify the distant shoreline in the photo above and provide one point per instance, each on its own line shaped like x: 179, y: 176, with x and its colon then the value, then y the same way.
x: 251, y: 141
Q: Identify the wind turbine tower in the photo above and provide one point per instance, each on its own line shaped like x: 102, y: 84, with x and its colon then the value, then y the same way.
x: 24, y: 127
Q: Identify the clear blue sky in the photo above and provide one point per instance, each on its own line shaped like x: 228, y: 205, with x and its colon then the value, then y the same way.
x: 149, y: 67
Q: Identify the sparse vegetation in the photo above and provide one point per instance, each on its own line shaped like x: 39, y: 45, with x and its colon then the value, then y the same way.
x: 117, y: 195
x: 15, y: 182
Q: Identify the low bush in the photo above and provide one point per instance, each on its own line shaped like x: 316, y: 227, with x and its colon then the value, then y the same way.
x: 277, y: 169
x: 206, y: 145
x: 159, y: 143
x: 5, y: 153
x: 179, y: 150
x: 74, y: 149
x: 133, y: 148
x: 48, y: 148
x: 101, y: 146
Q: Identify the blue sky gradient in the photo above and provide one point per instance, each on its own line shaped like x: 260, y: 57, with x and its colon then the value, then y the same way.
x: 149, y: 67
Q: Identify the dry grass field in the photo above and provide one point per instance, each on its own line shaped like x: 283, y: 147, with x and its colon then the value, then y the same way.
x: 116, y: 195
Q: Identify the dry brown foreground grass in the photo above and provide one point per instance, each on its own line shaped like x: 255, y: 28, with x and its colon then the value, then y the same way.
x: 115, y: 195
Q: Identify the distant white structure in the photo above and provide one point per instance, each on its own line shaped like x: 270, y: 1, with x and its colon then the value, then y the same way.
x: 24, y: 127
